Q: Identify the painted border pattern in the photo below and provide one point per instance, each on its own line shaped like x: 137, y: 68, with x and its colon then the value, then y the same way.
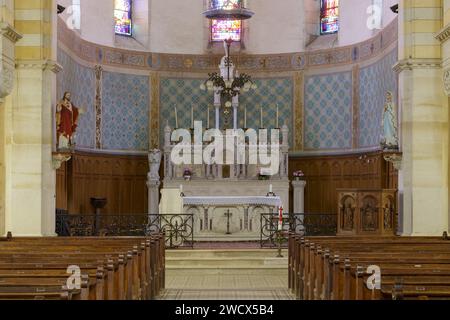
x: 114, y: 57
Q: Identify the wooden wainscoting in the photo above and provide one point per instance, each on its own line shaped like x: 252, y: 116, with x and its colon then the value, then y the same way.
x: 120, y: 179
x: 325, y: 174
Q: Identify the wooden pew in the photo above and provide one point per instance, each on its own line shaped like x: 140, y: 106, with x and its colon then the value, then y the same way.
x: 112, y: 268
x: 335, y: 268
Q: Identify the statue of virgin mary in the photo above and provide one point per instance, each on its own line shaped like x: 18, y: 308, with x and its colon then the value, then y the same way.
x: 389, y: 139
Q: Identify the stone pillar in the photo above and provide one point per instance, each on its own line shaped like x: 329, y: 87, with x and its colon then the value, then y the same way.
x: 8, y: 37
x: 30, y: 176
x: 153, y: 196
x: 299, y: 196
x: 424, y: 120
x: 444, y: 37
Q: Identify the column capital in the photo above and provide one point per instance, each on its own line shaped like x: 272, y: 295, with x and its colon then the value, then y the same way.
x: 39, y: 64
x: 444, y: 34
x: 7, y: 31
x: 412, y: 64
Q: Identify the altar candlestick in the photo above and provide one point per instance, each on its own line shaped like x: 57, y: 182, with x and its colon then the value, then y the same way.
x: 176, y: 117
x: 245, y: 117
x: 261, y: 120
x: 280, y: 219
x: 278, y: 117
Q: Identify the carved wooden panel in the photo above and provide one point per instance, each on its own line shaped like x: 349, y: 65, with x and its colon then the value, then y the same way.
x: 367, y: 212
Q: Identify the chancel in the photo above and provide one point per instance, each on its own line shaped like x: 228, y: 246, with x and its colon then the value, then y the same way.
x: 298, y: 149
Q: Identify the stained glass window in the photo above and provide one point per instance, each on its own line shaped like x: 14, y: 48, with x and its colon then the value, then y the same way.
x: 329, y: 16
x: 226, y: 29
x: 122, y: 17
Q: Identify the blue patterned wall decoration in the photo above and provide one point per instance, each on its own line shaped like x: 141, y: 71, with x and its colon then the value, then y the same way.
x: 185, y: 93
x: 270, y: 92
x: 125, y: 111
x: 328, y: 111
x: 375, y: 81
x: 80, y: 81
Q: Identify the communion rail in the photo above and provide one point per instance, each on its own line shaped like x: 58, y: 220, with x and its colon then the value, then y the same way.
x: 308, y: 225
x: 178, y: 228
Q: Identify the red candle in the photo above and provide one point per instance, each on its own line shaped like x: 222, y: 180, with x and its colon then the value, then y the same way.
x: 280, y: 219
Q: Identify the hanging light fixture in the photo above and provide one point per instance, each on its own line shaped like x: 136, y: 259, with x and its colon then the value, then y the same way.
x: 227, y: 10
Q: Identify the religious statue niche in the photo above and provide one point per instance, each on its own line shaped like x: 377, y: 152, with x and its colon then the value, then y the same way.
x: 67, y: 116
x: 348, y: 206
x: 369, y: 214
x: 389, y: 138
x: 388, y: 213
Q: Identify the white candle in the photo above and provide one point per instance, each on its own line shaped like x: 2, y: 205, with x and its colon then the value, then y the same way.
x: 207, y: 119
x: 176, y: 117
x: 270, y: 188
x: 245, y: 117
x: 278, y: 117
x: 192, y: 117
x: 261, y: 121
x: 181, y: 188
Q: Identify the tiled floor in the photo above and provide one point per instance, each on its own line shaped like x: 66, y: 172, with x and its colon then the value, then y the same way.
x: 227, y: 284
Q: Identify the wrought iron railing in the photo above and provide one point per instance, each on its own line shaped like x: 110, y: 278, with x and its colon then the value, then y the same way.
x: 310, y: 225
x: 177, y: 227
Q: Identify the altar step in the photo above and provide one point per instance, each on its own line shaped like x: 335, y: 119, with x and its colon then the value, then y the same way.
x: 225, y: 260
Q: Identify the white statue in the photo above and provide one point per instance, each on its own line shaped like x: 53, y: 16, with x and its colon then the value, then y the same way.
x: 389, y: 139
x: 154, y: 159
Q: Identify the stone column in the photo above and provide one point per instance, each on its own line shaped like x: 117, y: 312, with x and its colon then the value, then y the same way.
x: 299, y: 196
x: 153, y: 196
x: 424, y: 120
x: 30, y: 176
x: 8, y: 37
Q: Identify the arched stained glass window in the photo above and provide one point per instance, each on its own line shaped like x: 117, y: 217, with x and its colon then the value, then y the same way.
x: 226, y: 29
x: 122, y: 17
x: 329, y: 16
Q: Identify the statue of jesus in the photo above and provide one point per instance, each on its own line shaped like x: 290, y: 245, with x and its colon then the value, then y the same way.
x: 66, y: 122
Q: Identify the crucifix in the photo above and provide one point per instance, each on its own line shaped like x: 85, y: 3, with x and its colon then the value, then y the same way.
x: 228, y: 214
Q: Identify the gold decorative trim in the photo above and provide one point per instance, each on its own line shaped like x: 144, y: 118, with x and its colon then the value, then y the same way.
x: 98, y: 70
x: 356, y: 106
x: 299, y: 89
x: 154, y: 111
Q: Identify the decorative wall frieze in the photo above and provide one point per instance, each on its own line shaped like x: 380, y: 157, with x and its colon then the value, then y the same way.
x: 114, y: 57
x: 444, y: 34
x: 411, y: 64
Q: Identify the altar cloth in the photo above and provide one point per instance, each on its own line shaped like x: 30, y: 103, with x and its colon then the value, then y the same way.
x: 233, y: 201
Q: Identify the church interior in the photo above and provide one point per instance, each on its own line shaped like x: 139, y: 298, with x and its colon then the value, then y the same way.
x: 224, y: 150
